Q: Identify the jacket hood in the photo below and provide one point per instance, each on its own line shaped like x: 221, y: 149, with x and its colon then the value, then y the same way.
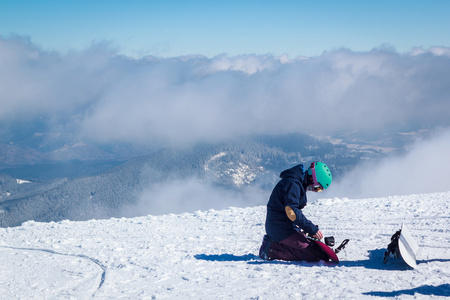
x: 296, y: 172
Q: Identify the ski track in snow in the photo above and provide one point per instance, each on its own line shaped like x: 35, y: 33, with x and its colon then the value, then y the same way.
x: 102, y: 279
x: 213, y: 255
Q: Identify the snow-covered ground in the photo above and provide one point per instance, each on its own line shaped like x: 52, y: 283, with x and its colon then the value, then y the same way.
x: 213, y: 255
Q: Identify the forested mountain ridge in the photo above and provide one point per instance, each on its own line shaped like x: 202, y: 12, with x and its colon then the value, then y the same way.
x: 236, y: 165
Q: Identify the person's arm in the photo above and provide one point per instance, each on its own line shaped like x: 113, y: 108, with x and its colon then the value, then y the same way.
x: 292, y: 194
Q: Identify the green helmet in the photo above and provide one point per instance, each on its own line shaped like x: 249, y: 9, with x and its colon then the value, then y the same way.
x: 322, y: 172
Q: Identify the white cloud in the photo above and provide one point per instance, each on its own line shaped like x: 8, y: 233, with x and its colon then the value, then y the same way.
x: 434, y: 50
x: 424, y: 169
x: 191, y: 194
x: 102, y: 96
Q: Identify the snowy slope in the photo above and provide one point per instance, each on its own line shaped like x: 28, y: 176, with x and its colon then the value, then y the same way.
x: 213, y: 255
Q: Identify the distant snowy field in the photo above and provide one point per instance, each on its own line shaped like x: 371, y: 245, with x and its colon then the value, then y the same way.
x: 213, y: 255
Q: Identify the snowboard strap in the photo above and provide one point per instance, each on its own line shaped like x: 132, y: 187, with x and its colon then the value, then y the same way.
x: 341, y: 246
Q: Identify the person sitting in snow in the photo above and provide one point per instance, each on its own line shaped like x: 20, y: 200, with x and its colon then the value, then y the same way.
x: 285, y: 222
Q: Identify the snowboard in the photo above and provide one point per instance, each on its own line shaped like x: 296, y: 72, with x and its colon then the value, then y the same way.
x: 332, y: 254
x: 402, y: 245
x: 408, y: 247
x: 328, y: 251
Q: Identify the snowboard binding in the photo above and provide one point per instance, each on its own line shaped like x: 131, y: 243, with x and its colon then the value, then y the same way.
x: 329, y: 241
x: 392, y: 249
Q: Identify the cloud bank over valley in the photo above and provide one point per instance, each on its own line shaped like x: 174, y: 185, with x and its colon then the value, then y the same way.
x: 97, y: 95
x: 422, y: 169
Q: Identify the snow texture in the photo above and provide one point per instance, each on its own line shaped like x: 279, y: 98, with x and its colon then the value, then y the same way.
x: 213, y: 255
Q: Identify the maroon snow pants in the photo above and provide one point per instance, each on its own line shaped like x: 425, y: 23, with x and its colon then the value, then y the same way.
x: 295, y: 247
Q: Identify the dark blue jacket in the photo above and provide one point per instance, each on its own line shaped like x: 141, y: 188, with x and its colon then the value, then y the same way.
x: 289, y: 191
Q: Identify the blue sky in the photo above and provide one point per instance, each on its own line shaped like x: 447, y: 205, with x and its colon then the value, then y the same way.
x: 174, y: 28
